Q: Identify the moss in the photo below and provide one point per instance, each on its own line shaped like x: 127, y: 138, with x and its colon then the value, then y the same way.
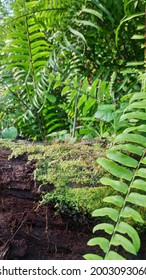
x: 71, y: 168
x: 78, y: 200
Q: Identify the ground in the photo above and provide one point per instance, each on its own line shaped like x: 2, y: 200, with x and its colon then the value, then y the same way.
x: 30, y: 230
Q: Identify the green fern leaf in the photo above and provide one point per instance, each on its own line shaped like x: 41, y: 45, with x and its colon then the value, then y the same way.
x: 141, y: 173
x: 92, y: 257
x: 113, y: 256
x: 106, y: 211
x: 135, y: 128
x: 127, y: 229
x: 128, y: 212
x: 129, y: 148
x: 119, y: 240
x: 116, y: 185
x: 115, y: 169
x: 101, y: 241
x: 133, y: 115
x: 108, y: 228
x: 139, y: 184
x: 137, y: 105
x: 137, y: 199
x: 127, y: 137
x: 137, y: 96
x: 116, y: 200
x: 121, y: 158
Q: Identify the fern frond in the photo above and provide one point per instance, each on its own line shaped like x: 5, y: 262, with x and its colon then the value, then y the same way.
x: 126, y: 162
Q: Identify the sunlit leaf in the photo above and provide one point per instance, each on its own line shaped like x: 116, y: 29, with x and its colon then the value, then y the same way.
x: 118, y: 240
x: 114, y: 256
x: 128, y: 229
x: 116, y: 185
x: 106, y: 211
x: 108, y: 228
x: 115, y: 169
x: 128, y: 212
x: 101, y: 241
x: 137, y: 199
x: 115, y: 199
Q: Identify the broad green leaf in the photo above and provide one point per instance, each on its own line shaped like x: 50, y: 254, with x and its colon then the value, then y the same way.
x: 134, y: 115
x: 139, y: 184
x: 101, y: 241
x: 115, y: 199
x: 129, y: 212
x: 121, y: 158
x: 115, y: 169
x: 106, y: 107
x: 135, y: 138
x: 51, y: 98
x: 141, y: 173
x: 105, y: 115
x: 114, y: 256
x: 77, y: 33
x: 10, y: 133
x: 138, y: 128
x: 106, y: 211
x: 128, y: 147
x: 119, y: 240
x: 108, y: 228
x: 128, y: 229
x: 137, y: 105
x: 92, y: 257
x: 116, y: 185
x: 137, y: 199
x: 93, y: 12
x: 138, y: 96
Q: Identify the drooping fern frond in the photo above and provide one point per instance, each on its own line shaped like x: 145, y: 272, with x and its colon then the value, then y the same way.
x: 126, y: 164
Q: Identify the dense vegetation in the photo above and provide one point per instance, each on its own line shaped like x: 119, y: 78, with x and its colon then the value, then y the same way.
x: 59, y: 77
x: 75, y: 70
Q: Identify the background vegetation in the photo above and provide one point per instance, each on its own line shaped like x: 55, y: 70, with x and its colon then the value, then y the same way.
x: 62, y: 72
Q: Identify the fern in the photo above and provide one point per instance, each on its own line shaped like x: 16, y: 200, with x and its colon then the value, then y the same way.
x: 126, y: 163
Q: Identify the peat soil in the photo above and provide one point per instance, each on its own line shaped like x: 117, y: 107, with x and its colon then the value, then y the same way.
x: 30, y: 231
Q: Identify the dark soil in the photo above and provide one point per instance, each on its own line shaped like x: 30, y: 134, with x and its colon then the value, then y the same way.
x: 32, y: 231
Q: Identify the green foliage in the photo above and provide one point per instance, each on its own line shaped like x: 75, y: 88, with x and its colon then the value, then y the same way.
x: 10, y: 133
x: 44, y: 45
x: 125, y: 161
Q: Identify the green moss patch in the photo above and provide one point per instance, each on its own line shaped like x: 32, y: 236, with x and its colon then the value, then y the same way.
x: 71, y: 168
